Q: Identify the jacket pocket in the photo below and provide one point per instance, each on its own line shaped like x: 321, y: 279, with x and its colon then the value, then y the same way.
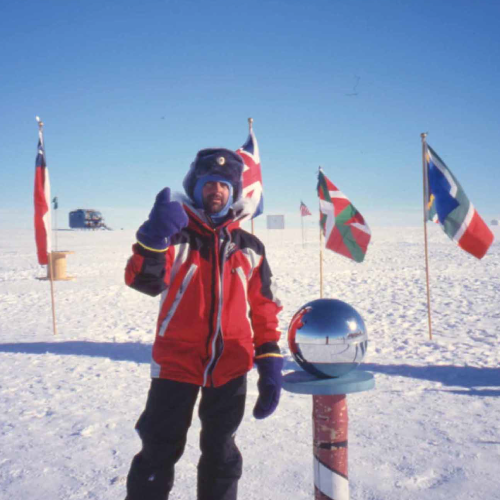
x: 177, y: 300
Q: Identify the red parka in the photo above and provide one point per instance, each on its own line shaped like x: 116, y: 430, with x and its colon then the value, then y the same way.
x: 217, y: 303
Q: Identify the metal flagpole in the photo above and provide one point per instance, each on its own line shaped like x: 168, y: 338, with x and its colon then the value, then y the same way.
x: 54, y: 201
x: 302, y: 227
x: 305, y: 235
x: 425, y: 184
x: 51, y: 266
x: 320, y: 249
x: 55, y: 205
x: 250, y: 122
x: 320, y: 263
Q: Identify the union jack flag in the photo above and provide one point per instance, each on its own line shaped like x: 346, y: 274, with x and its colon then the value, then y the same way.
x: 304, y: 210
x: 252, y: 176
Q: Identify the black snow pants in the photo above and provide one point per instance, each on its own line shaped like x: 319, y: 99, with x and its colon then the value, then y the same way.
x: 163, y: 428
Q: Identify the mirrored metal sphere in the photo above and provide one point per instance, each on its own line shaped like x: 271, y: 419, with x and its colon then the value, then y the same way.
x: 327, y: 338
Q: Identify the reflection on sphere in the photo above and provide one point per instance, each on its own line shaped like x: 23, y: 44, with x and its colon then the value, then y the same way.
x: 327, y: 338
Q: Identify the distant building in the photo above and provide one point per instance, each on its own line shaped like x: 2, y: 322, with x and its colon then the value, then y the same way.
x: 494, y: 222
x: 275, y: 222
x: 84, y: 218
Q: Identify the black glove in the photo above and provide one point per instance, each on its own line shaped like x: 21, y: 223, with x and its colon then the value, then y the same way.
x: 165, y: 219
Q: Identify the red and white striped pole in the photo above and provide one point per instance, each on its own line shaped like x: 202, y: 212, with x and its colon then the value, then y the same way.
x: 330, y: 431
x: 330, y: 426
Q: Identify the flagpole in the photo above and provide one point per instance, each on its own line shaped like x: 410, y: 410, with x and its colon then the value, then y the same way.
x: 320, y: 262
x: 424, y: 145
x: 55, y: 213
x: 250, y: 123
x: 302, y: 228
x: 51, y: 261
x: 320, y: 249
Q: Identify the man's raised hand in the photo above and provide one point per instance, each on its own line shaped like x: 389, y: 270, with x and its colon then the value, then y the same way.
x: 165, y: 219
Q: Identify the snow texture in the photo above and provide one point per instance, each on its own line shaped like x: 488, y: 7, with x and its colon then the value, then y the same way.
x: 430, y: 428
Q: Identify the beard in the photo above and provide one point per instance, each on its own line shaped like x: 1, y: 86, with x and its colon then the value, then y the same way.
x: 214, y: 204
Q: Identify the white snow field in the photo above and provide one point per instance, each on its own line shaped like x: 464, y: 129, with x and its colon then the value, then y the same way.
x: 429, y: 430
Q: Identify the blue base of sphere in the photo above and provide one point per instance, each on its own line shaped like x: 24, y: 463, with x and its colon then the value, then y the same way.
x: 300, y: 382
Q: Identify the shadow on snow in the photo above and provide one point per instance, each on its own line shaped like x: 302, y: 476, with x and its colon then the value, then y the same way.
x: 119, y: 351
x: 473, y: 381
x: 465, y: 380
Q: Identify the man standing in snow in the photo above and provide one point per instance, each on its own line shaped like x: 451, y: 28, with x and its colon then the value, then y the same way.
x: 217, y: 317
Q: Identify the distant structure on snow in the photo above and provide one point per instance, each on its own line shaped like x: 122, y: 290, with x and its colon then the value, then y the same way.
x: 85, y: 218
x: 494, y: 222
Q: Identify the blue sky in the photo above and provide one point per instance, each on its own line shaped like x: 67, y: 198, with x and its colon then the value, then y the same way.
x: 129, y: 91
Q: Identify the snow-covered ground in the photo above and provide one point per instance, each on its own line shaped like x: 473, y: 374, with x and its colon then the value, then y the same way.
x: 429, y: 430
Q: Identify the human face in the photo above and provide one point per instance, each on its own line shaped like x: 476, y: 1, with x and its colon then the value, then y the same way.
x: 215, y: 195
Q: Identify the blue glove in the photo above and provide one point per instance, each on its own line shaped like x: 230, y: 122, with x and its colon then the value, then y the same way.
x: 165, y: 219
x: 269, y: 366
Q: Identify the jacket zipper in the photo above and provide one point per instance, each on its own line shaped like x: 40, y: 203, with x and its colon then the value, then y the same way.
x: 218, y: 328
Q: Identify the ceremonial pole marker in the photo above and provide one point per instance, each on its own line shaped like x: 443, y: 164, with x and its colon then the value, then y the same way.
x: 330, y: 427
x: 328, y: 340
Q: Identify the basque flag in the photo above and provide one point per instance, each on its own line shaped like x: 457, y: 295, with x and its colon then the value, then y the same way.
x: 344, y: 228
x: 447, y: 201
x: 42, y: 205
x: 252, y: 176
